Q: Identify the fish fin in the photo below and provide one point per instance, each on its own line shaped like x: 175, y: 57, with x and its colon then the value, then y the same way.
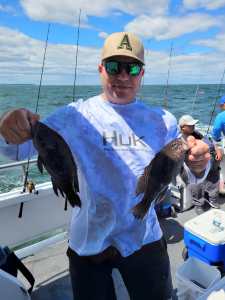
x: 40, y: 164
x: 142, y: 182
x: 77, y: 200
x: 140, y: 209
x: 73, y: 198
x: 65, y: 206
x: 61, y: 192
x: 161, y: 195
x: 76, y: 183
x: 140, y: 185
x: 55, y: 189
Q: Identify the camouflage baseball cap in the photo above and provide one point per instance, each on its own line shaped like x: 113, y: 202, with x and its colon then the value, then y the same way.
x: 124, y: 44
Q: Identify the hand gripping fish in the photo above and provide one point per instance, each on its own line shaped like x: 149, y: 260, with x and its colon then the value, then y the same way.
x: 55, y: 155
x: 163, y: 169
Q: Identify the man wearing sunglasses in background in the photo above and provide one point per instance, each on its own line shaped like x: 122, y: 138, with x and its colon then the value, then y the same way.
x: 113, y: 137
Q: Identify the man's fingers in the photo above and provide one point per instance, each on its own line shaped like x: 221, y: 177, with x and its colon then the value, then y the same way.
x: 33, y: 118
x: 198, y: 155
x: 15, y: 126
x: 14, y: 137
x: 191, y: 141
x: 197, y: 147
x: 23, y: 123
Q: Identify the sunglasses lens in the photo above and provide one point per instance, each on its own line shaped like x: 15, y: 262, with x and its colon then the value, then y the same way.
x: 135, y: 69
x: 112, y: 67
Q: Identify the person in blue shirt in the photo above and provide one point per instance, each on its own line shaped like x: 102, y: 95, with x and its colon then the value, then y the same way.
x: 219, y: 123
x: 113, y: 137
x: 218, y: 132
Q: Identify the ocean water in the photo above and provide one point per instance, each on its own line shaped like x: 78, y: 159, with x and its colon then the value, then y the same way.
x: 181, y: 99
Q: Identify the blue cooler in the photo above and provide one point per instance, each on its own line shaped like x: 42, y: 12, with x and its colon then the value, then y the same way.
x: 204, y: 237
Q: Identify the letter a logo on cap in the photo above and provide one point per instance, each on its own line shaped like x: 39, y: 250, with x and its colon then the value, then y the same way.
x: 125, y: 43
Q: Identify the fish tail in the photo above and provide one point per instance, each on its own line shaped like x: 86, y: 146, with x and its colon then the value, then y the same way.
x: 56, y: 189
x: 73, y: 198
x: 140, y: 209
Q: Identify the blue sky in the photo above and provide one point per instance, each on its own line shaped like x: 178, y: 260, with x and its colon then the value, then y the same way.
x: 194, y: 27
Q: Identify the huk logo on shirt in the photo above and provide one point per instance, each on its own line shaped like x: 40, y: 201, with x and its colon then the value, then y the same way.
x: 125, y: 43
x: 117, y: 139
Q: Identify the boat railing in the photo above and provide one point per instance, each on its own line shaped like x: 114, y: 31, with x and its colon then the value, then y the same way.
x: 43, y: 214
x: 17, y: 164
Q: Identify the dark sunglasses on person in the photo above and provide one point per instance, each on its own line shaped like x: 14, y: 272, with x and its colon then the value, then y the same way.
x: 114, y: 67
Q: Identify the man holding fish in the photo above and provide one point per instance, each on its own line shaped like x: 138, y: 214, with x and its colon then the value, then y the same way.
x: 114, y: 137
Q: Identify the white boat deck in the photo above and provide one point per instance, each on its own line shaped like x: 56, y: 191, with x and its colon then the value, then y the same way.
x: 50, y: 266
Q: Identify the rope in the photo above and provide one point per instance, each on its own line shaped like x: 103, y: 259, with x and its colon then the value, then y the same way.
x: 168, y: 76
x: 195, y: 98
x: 75, y: 69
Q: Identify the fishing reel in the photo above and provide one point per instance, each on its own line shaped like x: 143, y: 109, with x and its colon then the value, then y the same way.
x: 30, y: 187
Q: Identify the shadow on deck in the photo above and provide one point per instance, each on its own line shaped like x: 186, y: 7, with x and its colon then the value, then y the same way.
x: 56, y: 288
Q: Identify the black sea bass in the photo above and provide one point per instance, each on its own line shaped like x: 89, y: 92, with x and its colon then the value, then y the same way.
x: 163, y: 168
x: 55, y: 155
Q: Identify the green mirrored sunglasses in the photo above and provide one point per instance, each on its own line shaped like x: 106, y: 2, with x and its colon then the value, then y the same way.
x: 114, y: 67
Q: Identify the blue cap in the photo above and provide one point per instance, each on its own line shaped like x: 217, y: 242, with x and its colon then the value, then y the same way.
x: 222, y: 100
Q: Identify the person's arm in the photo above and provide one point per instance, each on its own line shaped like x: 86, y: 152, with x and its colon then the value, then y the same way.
x: 198, y: 158
x: 217, y: 128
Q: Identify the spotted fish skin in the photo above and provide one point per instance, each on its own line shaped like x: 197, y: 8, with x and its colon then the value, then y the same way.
x: 162, y: 170
x: 54, y: 154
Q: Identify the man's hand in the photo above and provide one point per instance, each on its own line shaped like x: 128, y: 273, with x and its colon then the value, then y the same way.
x: 219, y: 154
x: 15, y: 126
x: 198, y: 156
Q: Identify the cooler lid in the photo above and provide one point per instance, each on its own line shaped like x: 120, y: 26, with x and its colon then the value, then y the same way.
x: 209, y: 226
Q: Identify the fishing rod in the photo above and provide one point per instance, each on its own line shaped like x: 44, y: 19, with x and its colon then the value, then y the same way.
x: 216, y: 99
x: 195, y: 98
x: 168, y: 76
x: 36, y: 109
x: 143, y: 78
x: 197, y: 91
x: 75, y: 75
x: 75, y: 68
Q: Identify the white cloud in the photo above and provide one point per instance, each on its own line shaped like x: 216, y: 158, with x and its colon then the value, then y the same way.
x: 67, y: 10
x: 218, y: 42
x: 103, y: 35
x: 162, y: 28
x: 208, y: 4
x: 21, y: 59
x: 190, y: 68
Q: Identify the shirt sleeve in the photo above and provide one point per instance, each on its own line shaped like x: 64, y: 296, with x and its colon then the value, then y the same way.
x: 217, y: 129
